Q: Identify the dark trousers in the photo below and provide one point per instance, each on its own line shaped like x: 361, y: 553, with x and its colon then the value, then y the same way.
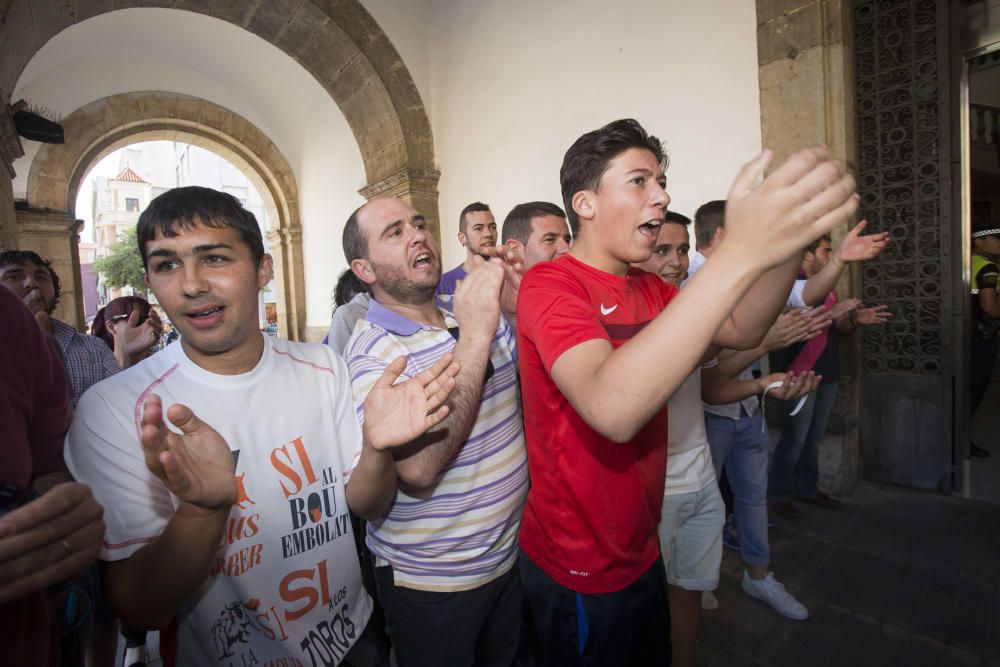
x: 984, y: 357
x: 481, y: 626
x: 627, y: 627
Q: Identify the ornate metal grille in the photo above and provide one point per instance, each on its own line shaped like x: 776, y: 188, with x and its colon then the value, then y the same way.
x: 904, y: 180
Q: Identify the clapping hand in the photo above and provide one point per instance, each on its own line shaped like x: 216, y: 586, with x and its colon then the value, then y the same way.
x: 396, y: 414
x: 513, y: 270
x: 196, y: 465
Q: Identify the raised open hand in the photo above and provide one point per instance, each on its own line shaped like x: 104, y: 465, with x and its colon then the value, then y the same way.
x: 858, y: 248
x: 196, y: 465
x: 396, y: 414
x: 804, y: 198
x: 136, y: 338
x: 876, y: 315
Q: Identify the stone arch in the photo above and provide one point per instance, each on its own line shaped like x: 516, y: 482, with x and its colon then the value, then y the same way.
x: 339, y: 43
x: 96, y: 129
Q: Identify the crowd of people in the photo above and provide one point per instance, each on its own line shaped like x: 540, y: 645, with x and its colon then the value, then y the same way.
x: 533, y: 458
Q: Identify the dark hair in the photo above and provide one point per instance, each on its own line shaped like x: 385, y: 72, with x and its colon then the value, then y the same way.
x: 517, y: 224
x: 474, y: 207
x: 815, y: 244
x: 122, y: 306
x: 708, y: 218
x: 18, y: 256
x: 678, y: 218
x: 353, y: 241
x: 348, y: 286
x: 589, y: 157
x: 183, y: 208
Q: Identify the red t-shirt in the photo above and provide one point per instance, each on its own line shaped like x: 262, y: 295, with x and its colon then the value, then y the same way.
x: 594, y: 505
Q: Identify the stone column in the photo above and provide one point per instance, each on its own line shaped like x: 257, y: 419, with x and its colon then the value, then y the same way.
x: 55, y: 235
x: 280, y: 281
x: 417, y: 187
x: 10, y: 150
x: 806, y: 71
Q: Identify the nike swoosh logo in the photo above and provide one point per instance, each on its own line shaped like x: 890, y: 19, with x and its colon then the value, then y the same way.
x: 608, y: 311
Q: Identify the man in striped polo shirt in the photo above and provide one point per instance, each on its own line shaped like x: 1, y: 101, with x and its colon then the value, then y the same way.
x: 445, y: 549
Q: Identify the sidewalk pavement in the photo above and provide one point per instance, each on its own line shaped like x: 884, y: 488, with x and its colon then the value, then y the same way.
x: 895, y: 577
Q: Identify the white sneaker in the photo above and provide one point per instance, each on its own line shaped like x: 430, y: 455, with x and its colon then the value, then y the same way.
x: 774, y: 593
x: 708, y: 601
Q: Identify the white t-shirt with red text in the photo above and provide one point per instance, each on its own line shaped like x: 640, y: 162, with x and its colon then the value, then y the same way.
x: 286, y: 585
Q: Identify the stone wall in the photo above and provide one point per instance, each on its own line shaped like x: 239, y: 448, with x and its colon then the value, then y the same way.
x: 805, y: 60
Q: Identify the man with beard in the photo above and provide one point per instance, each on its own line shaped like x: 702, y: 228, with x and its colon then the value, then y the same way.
x: 88, y: 360
x: 477, y: 232
x: 446, y: 549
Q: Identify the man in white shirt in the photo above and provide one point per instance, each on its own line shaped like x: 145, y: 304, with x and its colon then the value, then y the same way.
x: 235, y: 540
x: 693, y: 514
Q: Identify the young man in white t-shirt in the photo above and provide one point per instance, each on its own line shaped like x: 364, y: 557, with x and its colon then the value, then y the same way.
x: 693, y: 515
x: 235, y: 540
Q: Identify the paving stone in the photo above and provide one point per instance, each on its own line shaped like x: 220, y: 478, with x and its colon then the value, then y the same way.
x: 908, y: 595
x: 827, y: 579
x: 971, y: 621
x: 882, y: 585
x: 959, y: 657
x: 934, y: 617
x: 924, y: 652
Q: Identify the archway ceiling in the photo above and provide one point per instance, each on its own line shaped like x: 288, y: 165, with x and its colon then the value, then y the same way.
x: 160, y: 49
x: 272, y: 62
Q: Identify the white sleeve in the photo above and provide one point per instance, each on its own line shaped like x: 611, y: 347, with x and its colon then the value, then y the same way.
x: 345, y: 414
x: 103, y: 451
x: 795, y: 299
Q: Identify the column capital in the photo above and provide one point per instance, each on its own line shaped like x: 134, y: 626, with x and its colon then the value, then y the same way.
x: 402, y: 183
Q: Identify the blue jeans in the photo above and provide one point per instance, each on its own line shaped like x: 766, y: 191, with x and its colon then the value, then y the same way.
x: 739, y: 446
x: 795, y: 468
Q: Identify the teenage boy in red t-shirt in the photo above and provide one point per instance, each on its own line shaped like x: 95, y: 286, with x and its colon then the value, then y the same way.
x: 599, y: 361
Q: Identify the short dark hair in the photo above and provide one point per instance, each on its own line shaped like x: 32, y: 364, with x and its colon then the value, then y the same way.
x: 708, y: 218
x: 348, y: 286
x: 678, y: 218
x: 183, y: 208
x: 589, y: 157
x: 815, y: 244
x: 18, y: 256
x: 517, y: 224
x: 353, y: 241
x: 474, y: 207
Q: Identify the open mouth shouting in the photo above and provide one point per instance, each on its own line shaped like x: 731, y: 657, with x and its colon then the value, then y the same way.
x: 423, y: 259
x: 649, y: 229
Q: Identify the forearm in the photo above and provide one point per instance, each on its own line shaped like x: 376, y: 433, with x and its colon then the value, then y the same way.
x: 719, y: 389
x: 182, y: 558
x: 845, y: 323
x: 419, y: 463
x: 373, y: 485
x: 759, y: 308
x: 821, y: 284
x: 120, y: 355
x: 733, y: 362
x: 623, y: 390
x: 989, y: 302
